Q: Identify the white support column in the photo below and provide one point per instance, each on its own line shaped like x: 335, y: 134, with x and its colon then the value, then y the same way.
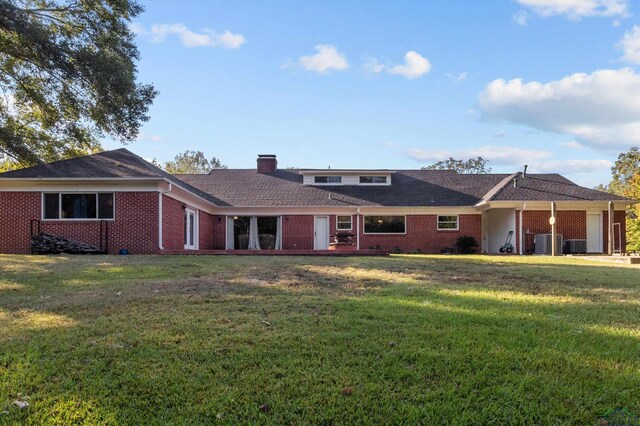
x: 521, y: 234
x: 160, y: 246
x: 610, y: 228
x: 554, y: 232
x: 358, y: 229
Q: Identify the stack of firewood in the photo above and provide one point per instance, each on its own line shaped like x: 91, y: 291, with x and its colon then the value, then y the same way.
x: 44, y: 243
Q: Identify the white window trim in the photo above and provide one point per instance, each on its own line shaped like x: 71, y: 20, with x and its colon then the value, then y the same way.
x: 196, y: 229
x: 328, y: 183
x: 364, y: 225
x: 386, y: 183
x: 350, y: 222
x: 457, y: 228
x: 60, y: 218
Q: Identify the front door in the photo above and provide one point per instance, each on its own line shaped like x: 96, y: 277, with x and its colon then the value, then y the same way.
x: 594, y: 233
x: 321, y: 233
x: 190, y: 229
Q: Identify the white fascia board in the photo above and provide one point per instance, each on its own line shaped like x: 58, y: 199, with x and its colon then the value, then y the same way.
x: 560, y: 205
x: 106, y: 185
x: 276, y: 211
x: 190, y: 199
x: 323, y: 172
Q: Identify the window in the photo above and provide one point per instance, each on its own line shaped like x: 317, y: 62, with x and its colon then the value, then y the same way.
x: 343, y: 223
x: 327, y: 179
x: 373, y: 179
x: 384, y: 224
x: 91, y: 205
x: 448, y: 223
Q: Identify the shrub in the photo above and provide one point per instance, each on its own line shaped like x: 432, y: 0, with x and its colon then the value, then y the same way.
x: 466, y: 244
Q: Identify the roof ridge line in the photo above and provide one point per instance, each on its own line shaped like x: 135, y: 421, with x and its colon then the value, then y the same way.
x: 497, y: 188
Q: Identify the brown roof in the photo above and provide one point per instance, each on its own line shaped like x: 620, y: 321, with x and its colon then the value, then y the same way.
x: 115, y: 164
x: 119, y: 163
x: 247, y: 188
x: 550, y: 187
x: 284, y: 188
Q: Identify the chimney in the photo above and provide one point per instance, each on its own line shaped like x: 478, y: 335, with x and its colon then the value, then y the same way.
x: 267, y: 163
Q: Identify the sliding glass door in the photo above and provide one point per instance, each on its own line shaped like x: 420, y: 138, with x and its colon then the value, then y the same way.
x: 254, y: 233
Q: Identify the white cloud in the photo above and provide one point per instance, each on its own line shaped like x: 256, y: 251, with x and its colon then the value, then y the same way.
x: 520, y: 18
x: 415, y: 65
x: 461, y: 76
x: 497, y: 155
x: 188, y: 38
x: 390, y: 144
x: 577, y: 9
x: 630, y: 45
x: 572, y: 166
x: 600, y: 110
x: 372, y: 65
x: 616, y: 23
x: 500, y: 134
x: 149, y: 137
x: 571, y: 145
x: 327, y: 58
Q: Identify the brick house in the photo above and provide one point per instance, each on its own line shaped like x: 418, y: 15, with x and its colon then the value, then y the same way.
x: 117, y: 200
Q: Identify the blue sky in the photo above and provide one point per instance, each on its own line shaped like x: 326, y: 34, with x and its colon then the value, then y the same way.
x: 549, y: 83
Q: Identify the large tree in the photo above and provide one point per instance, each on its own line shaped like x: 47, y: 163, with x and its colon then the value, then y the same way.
x: 192, y: 162
x: 626, y: 182
x: 67, y: 78
x: 476, y: 165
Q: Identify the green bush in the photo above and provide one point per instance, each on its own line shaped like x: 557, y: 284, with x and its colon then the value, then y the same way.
x: 466, y: 244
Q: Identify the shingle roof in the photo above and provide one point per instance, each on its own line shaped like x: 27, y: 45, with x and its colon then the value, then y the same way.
x: 247, y: 188
x: 119, y: 163
x: 550, y: 187
x: 116, y: 164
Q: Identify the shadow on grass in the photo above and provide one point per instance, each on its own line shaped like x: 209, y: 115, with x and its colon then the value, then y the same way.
x: 418, y: 340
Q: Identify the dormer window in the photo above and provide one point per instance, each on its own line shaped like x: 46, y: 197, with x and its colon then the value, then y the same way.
x: 327, y: 179
x: 379, y: 180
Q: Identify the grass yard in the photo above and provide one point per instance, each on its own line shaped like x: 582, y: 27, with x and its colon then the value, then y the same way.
x: 281, y: 340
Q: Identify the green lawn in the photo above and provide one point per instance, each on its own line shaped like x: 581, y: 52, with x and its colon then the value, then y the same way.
x: 412, y: 339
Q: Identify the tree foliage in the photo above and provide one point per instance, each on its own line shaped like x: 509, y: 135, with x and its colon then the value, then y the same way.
x: 67, y: 78
x: 192, y: 162
x: 476, y: 165
x: 626, y: 182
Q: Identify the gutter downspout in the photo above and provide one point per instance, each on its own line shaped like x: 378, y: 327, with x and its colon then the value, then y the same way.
x: 160, y: 194
x: 521, y: 248
x: 358, y: 229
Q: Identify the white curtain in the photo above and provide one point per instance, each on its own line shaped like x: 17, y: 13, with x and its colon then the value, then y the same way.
x: 254, y: 240
x: 278, y: 245
x: 230, y: 241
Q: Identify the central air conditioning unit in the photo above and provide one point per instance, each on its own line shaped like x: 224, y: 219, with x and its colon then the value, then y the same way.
x: 543, y: 243
x: 575, y: 246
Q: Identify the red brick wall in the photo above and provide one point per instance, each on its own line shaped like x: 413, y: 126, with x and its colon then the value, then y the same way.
x: 135, y: 226
x: 297, y: 232
x: 205, y: 231
x: 422, y: 234
x: 219, y: 232
x: 572, y: 224
x: 172, y: 224
x: 16, y: 210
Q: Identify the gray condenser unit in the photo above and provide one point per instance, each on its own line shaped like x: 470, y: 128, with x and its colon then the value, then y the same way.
x: 575, y: 246
x: 543, y: 243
